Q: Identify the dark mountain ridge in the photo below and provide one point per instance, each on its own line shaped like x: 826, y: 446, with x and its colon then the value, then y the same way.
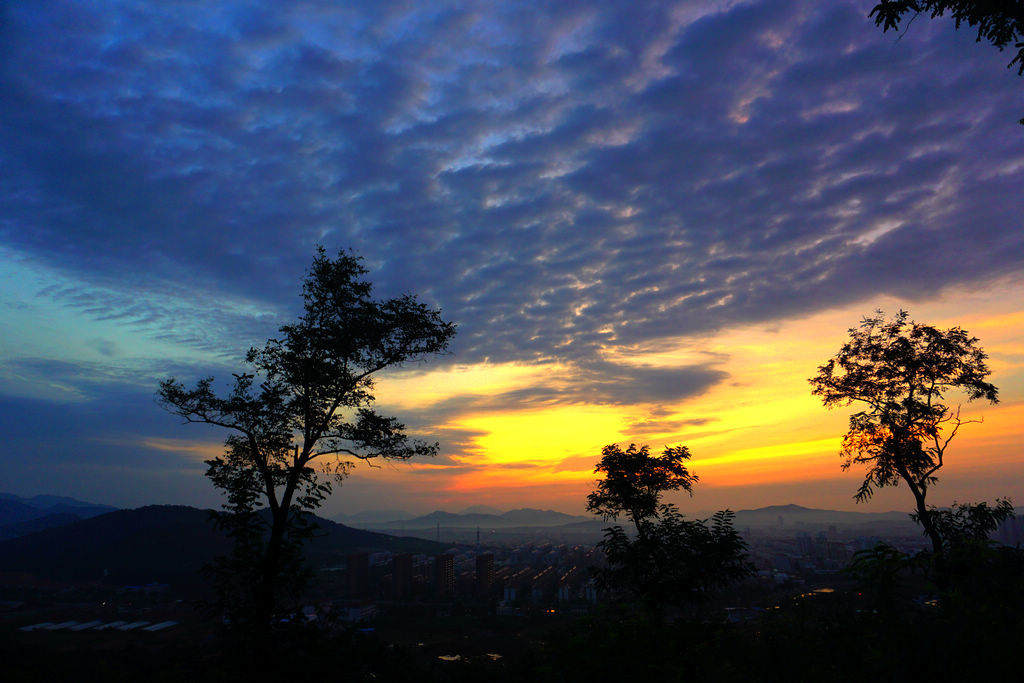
x: 796, y: 515
x: 529, y: 517
x: 165, y: 544
x: 522, y: 517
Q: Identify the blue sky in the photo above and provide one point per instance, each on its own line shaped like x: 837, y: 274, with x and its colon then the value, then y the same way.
x: 580, y: 186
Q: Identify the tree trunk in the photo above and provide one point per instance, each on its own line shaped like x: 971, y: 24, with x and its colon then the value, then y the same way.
x: 925, y: 518
x: 265, y: 595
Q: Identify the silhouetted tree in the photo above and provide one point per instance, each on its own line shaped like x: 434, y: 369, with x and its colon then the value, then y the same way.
x: 899, y: 370
x: 1001, y: 22
x: 634, y: 481
x: 878, y: 572
x: 672, y: 560
x: 304, y: 411
x: 676, y: 561
x: 966, y: 523
x: 968, y: 557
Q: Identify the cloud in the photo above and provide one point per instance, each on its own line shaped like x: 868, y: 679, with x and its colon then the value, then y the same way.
x: 595, y: 177
x: 97, y: 449
x: 591, y: 383
x: 655, y: 426
x: 569, y: 184
x: 104, y: 347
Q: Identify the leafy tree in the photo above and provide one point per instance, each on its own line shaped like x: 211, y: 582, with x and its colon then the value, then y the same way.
x: 634, y: 481
x: 305, y: 411
x: 1000, y: 23
x: 878, y: 571
x: 672, y: 560
x: 677, y: 561
x: 965, y: 523
x: 969, y: 558
x: 898, y: 372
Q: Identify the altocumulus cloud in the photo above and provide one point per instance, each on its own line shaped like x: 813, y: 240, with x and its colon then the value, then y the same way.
x: 563, y: 178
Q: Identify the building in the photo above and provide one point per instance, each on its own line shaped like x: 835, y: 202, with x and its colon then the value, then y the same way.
x: 401, y: 576
x: 1010, y: 532
x: 444, y: 574
x: 484, y: 574
x: 358, y: 574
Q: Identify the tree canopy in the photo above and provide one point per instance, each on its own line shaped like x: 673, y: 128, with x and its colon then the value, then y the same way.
x: 898, y: 372
x: 1000, y: 23
x: 634, y: 480
x: 303, y: 411
x: 672, y: 560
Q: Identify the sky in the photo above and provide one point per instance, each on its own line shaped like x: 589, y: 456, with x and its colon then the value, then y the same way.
x: 651, y: 223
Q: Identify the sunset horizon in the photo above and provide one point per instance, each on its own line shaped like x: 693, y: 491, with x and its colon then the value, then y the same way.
x: 649, y: 225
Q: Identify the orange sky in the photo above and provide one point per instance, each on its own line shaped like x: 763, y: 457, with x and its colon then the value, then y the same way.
x: 757, y: 438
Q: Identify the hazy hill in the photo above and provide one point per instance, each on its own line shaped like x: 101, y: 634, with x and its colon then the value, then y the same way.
x: 481, y: 509
x: 525, y: 517
x: 15, y: 509
x: 163, y: 543
x: 530, y: 525
x: 15, y: 512
x: 792, y: 516
x: 37, y: 524
x: 373, y: 517
x: 532, y: 517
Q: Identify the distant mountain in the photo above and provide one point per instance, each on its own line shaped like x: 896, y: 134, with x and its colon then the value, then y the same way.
x: 47, y: 502
x: 525, y: 517
x: 374, y: 516
x: 530, y: 524
x: 445, y: 519
x: 15, y: 512
x: 532, y: 517
x: 782, y: 516
x: 164, y: 543
x: 37, y: 524
x: 167, y: 544
x: 15, y: 509
x: 481, y: 510
x: 333, y: 541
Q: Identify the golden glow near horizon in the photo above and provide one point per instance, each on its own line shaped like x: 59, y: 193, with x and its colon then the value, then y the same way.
x: 198, y: 450
x: 759, y: 427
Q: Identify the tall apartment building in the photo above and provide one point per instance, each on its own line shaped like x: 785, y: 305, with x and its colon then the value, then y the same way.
x: 401, y: 576
x: 484, y: 573
x: 444, y: 574
x: 358, y: 570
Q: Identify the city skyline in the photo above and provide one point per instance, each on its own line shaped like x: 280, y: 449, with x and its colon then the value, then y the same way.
x: 651, y: 223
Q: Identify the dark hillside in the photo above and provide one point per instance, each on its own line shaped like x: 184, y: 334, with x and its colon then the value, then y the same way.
x: 37, y: 524
x: 14, y: 512
x: 164, y: 544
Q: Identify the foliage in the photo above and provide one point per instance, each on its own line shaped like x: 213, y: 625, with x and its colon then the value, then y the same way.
x: 677, y: 561
x: 878, y: 573
x: 304, y: 411
x: 634, y: 481
x: 969, y: 556
x: 973, y: 567
x: 966, y: 523
x: 1000, y: 23
x: 898, y: 371
x: 672, y: 560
